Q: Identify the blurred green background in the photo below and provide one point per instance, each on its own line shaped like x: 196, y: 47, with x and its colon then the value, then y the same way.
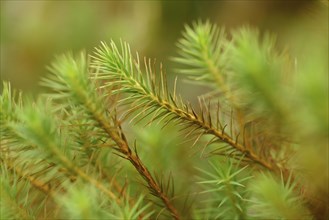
x: 32, y: 32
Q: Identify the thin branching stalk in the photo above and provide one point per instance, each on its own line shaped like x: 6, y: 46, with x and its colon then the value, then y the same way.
x: 152, y: 94
x: 209, y: 129
x: 41, y: 186
x: 123, y: 147
x: 72, y: 75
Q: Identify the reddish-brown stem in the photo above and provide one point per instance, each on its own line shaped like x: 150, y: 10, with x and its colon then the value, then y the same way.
x: 123, y: 148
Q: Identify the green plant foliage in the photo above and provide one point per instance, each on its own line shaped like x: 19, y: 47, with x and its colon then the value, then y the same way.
x: 88, y: 203
x: 202, y: 52
x: 15, y: 199
x: 131, y: 210
x: 225, y: 187
x: 257, y: 69
x: 108, y: 139
x: 272, y: 199
x: 10, y: 102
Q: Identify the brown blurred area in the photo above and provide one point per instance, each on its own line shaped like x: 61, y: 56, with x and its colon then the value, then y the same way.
x: 32, y: 32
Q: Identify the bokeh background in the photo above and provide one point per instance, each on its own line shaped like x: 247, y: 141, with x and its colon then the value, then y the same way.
x: 32, y: 32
